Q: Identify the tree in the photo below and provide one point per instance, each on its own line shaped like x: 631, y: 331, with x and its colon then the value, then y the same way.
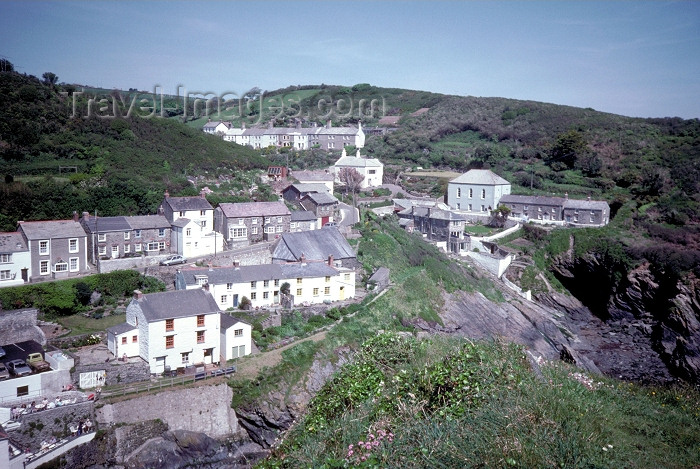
x: 499, y: 216
x: 50, y: 78
x: 351, y: 178
x: 567, y: 148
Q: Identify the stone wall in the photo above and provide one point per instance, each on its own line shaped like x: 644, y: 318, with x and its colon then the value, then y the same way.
x: 52, y: 422
x: 20, y: 325
x: 130, y: 263
x: 130, y: 437
x: 203, y: 408
x: 117, y: 372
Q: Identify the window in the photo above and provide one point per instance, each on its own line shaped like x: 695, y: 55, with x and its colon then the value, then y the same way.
x: 470, y: 207
x: 124, y: 340
x: 279, y: 229
x: 471, y: 193
x: 328, y: 278
x: 169, y: 325
x: 293, y: 225
x: 277, y: 282
x: 127, y: 248
x: 200, y: 320
x: 266, y: 295
x: 553, y: 210
x: 266, y: 283
x: 60, y: 267
x: 102, y: 250
x: 200, y: 337
x: 483, y: 193
x: 269, y: 229
x: 254, y: 230
x: 22, y: 391
x: 73, y: 264
x: 267, y: 220
x: 229, y: 286
x: 459, y: 192
x: 101, y: 237
x: 134, y: 339
x: 155, y: 246
x: 458, y: 206
x: 299, y: 281
x: 204, y: 223
x: 253, y: 284
x: 182, y: 213
x: 161, y: 232
x: 279, y: 219
x: 5, y: 258
x: 483, y: 208
x: 255, y: 221
x: 5, y: 275
x: 115, y: 251
x: 137, y: 247
x: 539, y: 209
x: 298, y: 291
x: 202, y: 213
x: 253, y: 296
x: 347, y: 276
x: 43, y: 247
x: 137, y: 233
x: 236, y: 233
x: 327, y: 291
x: 315, y: 291
x: 188, y: 232
x: 169, y: 341
x: 185, y: 358
x: 238, y: 333
x: 127, y: 235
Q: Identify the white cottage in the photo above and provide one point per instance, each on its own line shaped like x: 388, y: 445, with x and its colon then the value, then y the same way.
x: 477, y: 190
x: 370, y: 168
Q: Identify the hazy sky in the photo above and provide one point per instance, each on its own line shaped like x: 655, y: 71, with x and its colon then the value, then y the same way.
x: 627, y: 57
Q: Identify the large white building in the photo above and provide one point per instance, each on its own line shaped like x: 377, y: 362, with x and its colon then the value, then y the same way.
x: 370, y: 168
x: 477, y: 190
x: 192, y: 220
x: 175, y: 329
x: 301, y: 138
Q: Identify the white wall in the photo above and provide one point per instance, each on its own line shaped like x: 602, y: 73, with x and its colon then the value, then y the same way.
x: 229, y: 340
x: 18, y: 261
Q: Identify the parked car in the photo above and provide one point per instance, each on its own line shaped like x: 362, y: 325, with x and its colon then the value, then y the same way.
x: 19, y: 368
x: 173, y: 260
x: 2, y: 352
x: 4, y: 374
x: 36, y: 362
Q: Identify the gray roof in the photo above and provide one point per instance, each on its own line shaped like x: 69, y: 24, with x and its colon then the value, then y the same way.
x: 257, y: 273
x: 213, y: 124
x: 382, y: 274
x: 303, y: 215
x: 52, y: 229
x: 313, y: 245
x: 321, y: 198
x: 181, y: 222
x: 12, y: 242
x: 228, y: 321
x: 121, y: 328
x: 355, y: 162
x: 145, y: 222
x: 313, y: 176
x: 480, y: 176
x: 532, y: 200
x: 586, y: 204
x: 176, y: 304
x: 433, y: 213
x: 408, y: 203
x: 308, y: 188
x: 254, y: 209
x: 104, y: 224
x: 188, y: 203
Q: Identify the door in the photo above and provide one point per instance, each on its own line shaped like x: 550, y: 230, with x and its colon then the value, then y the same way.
x: 208, y: 356
x: 115, y: 252
x: 342, y: 293
x: 160, y: 365
x: 325, y: 220
x: 235, y: 300
x: 25, y: 275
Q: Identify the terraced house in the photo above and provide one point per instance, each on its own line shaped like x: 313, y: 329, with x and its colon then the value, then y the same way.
x: 250, y: 222
x: 301, y: 138
x: 192, y: 222
x: 15, y: 260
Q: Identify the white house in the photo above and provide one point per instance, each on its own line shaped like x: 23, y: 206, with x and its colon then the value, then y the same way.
x: 216, y: 127
x: 15, y: 260
x: 235, y: 337
x: 312, y: 282
x: 477, y: 190
x: 172, y: 329
x: 370, y: 168
x: 192, y: 220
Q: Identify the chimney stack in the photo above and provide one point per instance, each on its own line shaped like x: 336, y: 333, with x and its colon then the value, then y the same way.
x: 202, y: 193
x: 205, y: 287
x: 328, y: 124
x: 86, y: 215
x: 302, y: 258
x: 566, y: 195
x: 75, y: 216
x: 138, y: 294
x: 330, y: 260
x: 167, y: 194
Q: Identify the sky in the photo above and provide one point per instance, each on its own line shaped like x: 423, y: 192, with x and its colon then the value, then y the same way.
x: 634, y: 58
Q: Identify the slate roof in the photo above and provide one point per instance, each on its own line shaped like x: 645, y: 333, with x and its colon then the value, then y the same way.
x: 303, y: 215
x: 121, y: 328
x: 214, y: 124
x: 314, y: 245
x: 313, y: 176
x: 188, y: 203
x: 308, y: 188
x: 176, y: 304
x: 254, y: 209
x: 408, y: 203
x: 105, y: 224
x: 480, y: 176
x: 355, y: 162
x: 532, y: 200
x: 434, y: 213
x: 321, y: 198
x: 181, y: 222
x: 581, y: 204
x: 228, y: 321
x: 12, y: 242
x: 257, y: 273
x: 52, y: 229
x: 145, y: 222
x: 380, y: 276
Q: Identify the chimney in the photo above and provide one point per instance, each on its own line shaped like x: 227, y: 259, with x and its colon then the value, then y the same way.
x: 86, y: 215
x: 161, y: 211
x: 314, y: 124
x: 328, y: 124
x: 330, y: 260
x: 358, y: 153
x: 298, y: 124
x: 588, y: 198
x: 302, y: 258
x: 203, y: 194
x: 167, y: 194
x: 205, y: 287
x: 75, y: 216
x: 269, y: 125
x: 211, y: 269
x: 566, y: 195
x: 242, y: 125
x: 138, y: 295
x: 359, y: 125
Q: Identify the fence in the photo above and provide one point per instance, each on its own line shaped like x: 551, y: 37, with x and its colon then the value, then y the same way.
x: 165, y: 382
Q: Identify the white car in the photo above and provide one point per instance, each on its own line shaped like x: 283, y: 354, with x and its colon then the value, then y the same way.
x: 173, y: 260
